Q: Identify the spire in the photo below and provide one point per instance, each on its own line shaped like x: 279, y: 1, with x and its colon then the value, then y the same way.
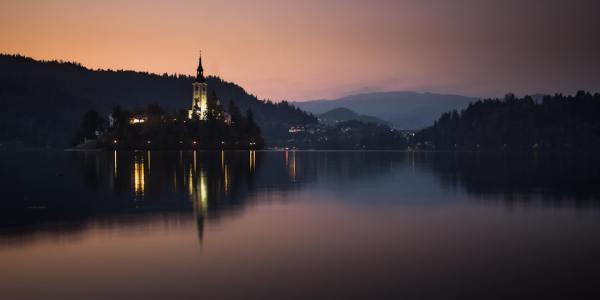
x: 200, y: 70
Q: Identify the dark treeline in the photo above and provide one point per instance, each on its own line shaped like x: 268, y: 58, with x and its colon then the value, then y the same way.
x: 164, y: 130
x: 555, y: 122
x: 42, y: 101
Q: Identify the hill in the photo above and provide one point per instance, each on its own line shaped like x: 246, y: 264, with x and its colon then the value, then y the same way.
x: 42, y: 101
x: 557, y: 122
x: 341, y: 114
x: 406, y: 110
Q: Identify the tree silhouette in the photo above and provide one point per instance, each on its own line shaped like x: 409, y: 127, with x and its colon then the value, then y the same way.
x: 557, y: 122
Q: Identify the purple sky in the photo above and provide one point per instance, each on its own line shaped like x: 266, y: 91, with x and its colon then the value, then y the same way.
x: 308, y: 49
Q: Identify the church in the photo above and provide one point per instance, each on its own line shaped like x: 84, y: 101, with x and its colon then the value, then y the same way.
x: 200, y: 91
x: 202, y: 105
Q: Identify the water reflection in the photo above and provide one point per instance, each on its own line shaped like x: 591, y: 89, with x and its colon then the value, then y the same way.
x: 138, y: 176
x: 73, y: 189
x: 115, y: 166
x: 291, y: 165
x: 513, y: 178
x: 252, y: 160
x: 212, y: 220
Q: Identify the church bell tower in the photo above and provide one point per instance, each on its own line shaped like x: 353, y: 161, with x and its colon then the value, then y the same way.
x: 200, y: 89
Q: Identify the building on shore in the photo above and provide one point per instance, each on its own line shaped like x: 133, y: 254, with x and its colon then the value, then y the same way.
x: 199, y: 108
x: 202, y: 104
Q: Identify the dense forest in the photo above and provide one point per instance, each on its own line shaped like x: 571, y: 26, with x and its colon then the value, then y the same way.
x: 555, y: 122
x: 42, y: 101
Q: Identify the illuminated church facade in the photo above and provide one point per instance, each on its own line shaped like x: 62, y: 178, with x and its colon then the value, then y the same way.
x: 200, y: 95
x: 204, y: 105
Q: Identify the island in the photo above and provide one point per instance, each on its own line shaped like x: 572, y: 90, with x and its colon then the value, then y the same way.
x: 206, y: 125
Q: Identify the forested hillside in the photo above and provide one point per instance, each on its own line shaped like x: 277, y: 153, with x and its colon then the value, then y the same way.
x: 555, y: 122
x: 42, y: 102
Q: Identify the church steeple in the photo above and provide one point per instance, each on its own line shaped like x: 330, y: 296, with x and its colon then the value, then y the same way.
x: 200, y: 99
x: 200, y: 71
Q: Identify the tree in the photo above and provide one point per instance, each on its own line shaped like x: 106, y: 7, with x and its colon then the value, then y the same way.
x: 91, y: 124
x: 558, y: 122
x: 250, y: 118
x: 234, y: 112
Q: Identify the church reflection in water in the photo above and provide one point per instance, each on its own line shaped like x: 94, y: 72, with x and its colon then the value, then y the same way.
x: 210, y: 184
x: 74, y: 190
x: 138, y: 176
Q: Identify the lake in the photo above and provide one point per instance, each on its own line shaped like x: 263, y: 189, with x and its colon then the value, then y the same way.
x: 299, y: 225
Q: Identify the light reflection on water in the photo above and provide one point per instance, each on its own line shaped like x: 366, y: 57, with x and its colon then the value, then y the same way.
x: 298, y: 225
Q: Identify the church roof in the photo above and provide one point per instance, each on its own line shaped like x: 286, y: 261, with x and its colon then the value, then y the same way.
x: 200, y: 71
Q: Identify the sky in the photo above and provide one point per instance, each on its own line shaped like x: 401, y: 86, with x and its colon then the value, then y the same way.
x: 312, y: 49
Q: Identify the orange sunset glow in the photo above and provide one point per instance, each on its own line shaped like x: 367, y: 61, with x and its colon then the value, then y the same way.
x: 299, y: 50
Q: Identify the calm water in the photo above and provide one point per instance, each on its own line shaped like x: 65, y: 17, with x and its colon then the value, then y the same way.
x: 298, y: 225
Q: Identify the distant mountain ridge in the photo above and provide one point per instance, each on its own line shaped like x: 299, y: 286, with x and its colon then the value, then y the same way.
x: 43, y: 101
x: 342, y: 114
x: 407, y: 110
